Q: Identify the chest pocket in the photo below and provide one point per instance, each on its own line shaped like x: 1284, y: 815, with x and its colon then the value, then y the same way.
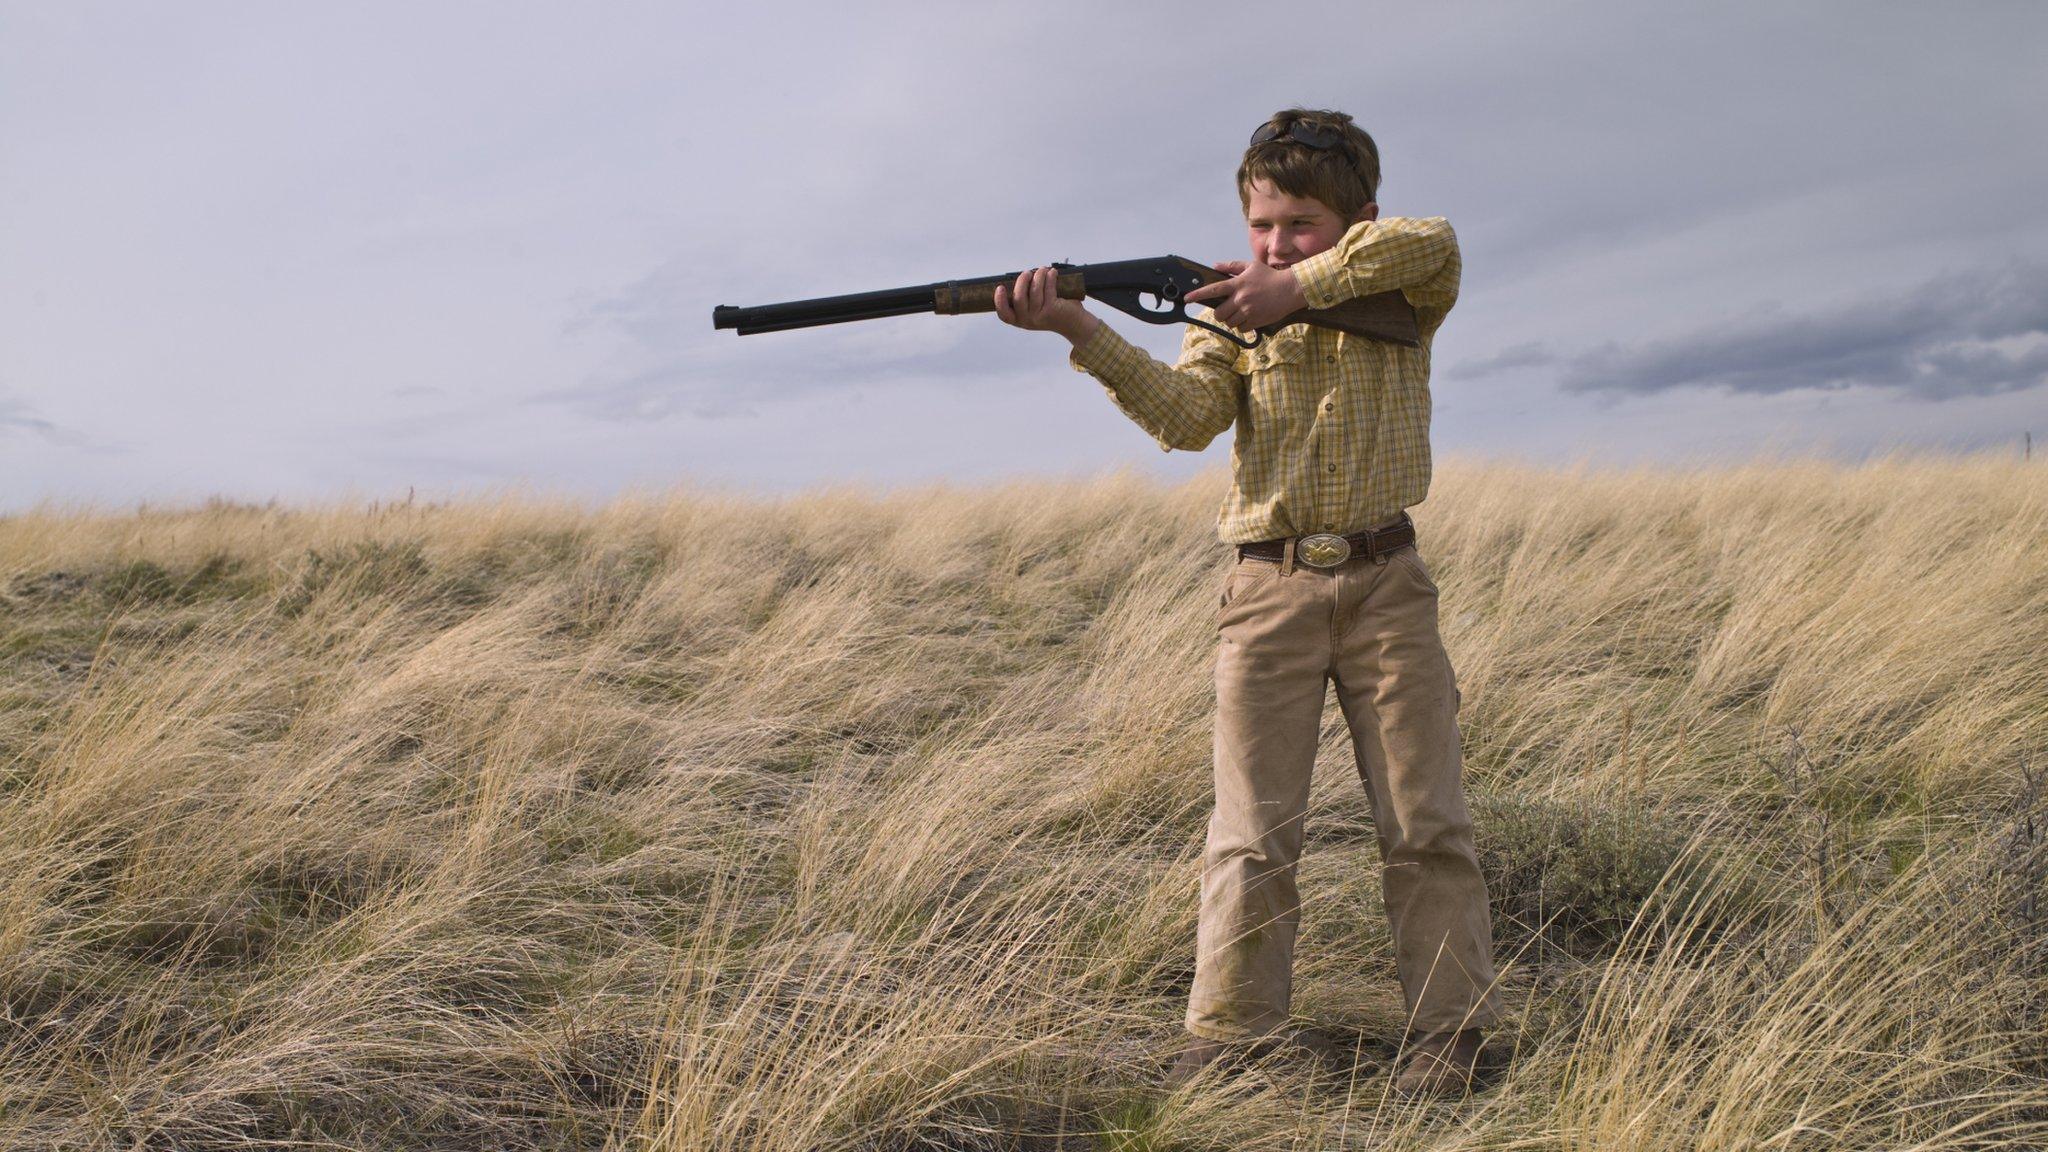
x: 1281, y: 355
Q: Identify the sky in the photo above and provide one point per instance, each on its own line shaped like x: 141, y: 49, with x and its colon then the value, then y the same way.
x: 350, y: 251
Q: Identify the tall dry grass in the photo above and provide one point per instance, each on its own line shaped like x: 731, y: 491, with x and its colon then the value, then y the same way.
x: 873, y: 822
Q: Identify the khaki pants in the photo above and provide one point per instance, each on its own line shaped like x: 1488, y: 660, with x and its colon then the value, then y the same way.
x: 1371, y: 628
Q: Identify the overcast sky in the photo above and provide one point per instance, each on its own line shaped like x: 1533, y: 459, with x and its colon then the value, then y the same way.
x: 338, y: 250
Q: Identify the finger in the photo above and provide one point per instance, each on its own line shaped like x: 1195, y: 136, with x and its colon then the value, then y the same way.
x: 1232, y: 267
x: 1003, y: 304
x: 1207, y: 292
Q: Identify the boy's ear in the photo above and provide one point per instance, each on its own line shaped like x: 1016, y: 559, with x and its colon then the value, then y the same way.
x: 1370, y: 212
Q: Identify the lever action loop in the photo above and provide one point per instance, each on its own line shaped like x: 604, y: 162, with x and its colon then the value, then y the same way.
x: 1227, y: 334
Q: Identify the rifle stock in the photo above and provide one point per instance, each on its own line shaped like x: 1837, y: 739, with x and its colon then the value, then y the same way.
x: 1381, y: 316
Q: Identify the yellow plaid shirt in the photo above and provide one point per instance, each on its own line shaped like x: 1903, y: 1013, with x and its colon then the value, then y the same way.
x: 1332, y: 429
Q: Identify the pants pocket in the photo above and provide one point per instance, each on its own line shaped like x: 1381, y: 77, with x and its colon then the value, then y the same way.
x: 1246, y: 575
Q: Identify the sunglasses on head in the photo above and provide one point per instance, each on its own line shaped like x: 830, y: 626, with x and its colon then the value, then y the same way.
x: 1300, y: 132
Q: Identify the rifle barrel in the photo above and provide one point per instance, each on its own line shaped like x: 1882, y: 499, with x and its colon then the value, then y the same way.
x: 837, y: 309
x: 824, y: 310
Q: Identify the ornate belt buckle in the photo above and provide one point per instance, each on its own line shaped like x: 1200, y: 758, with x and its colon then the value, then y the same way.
x: 1322, y: 550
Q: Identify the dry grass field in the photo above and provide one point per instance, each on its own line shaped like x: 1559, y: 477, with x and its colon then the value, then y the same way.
x: 874, y: 822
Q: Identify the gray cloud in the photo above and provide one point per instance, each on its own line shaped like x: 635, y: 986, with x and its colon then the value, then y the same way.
x: 513, y: 237
x: 721, y: 376
x: 1975, y: 333
x: 1530, y: 355
x: 17, y: 416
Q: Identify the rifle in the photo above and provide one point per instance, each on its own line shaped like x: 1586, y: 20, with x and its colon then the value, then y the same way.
x: 1122, y: 285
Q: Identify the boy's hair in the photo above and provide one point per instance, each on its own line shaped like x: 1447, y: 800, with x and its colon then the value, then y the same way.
x: 1344, y: 175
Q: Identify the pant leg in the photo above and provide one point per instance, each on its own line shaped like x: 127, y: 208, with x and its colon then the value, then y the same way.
x: 1272, y: 668
x: 1399, y: 695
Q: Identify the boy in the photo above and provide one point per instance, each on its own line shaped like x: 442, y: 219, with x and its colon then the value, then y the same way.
x: 1332, y: 445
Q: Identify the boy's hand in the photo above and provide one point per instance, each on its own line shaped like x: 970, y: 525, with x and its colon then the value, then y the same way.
x: 1253, y: 297
x: 1034, y: 302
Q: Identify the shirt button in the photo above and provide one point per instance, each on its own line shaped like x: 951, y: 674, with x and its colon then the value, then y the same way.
x: 1329, y: 527
x: 1329, y: 407
x: 1329, y: 359
x: 1333, y: 467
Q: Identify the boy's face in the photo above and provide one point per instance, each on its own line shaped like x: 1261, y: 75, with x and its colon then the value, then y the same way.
x: 1286, y: 230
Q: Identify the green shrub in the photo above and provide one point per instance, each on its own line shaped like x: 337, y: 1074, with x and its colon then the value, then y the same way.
x: 1575, y: 876
x: 144, y: 582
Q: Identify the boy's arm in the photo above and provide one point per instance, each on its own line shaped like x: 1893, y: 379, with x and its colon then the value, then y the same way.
x: 1417, y: 255
x: 1182, y: 407
x: 1185, y: 406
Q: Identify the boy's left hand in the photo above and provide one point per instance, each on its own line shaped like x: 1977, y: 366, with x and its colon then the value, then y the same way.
x: 1253, y: 297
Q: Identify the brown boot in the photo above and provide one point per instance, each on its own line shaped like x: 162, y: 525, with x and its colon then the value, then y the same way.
x: 1439, y: 1064
x: 1198, y: 1053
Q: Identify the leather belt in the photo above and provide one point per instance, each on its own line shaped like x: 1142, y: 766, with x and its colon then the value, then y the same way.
x: 1328, y: 550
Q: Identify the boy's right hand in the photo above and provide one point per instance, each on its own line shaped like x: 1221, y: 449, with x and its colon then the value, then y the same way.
x: 1034, y: 302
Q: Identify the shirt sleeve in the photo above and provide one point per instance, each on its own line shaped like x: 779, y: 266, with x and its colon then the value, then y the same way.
x: 1184, y: 406
x: 1417, y: 255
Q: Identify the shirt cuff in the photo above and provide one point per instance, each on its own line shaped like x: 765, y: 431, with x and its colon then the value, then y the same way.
x: 1101, y: 353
